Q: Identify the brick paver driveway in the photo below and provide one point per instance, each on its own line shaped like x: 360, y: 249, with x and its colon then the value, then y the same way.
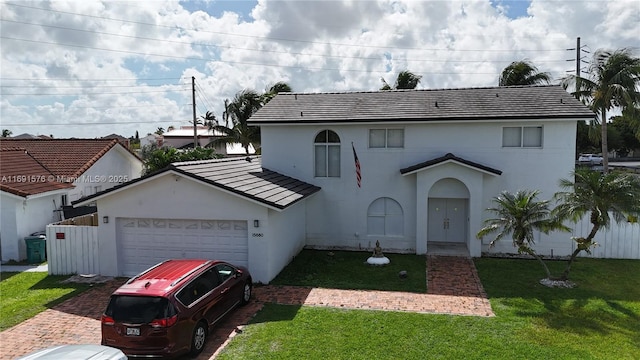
x: 453, y: 288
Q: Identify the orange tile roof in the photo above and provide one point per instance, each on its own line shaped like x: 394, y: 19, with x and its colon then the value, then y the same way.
x: 63, y: 157
x: 21, y: 174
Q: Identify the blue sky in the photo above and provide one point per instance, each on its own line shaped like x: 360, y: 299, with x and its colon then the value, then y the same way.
x: 92, y: 68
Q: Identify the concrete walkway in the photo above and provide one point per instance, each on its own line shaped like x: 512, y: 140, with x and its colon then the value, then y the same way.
x: 22, y: 268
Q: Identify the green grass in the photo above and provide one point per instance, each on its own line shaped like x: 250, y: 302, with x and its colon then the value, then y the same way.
x: 599, y: 319
x: 25, y: 294
x: 349, y: 270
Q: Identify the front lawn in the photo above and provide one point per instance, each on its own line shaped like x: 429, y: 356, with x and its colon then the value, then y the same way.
x: 599, y: 319
x: 349, y: 270
x: 25, y: 294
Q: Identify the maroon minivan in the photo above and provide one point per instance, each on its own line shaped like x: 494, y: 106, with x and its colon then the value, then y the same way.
x: 169, y: 309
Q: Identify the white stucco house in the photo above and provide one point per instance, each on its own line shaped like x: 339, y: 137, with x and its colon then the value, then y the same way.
x: 430, y: 162
x: 42, y: 176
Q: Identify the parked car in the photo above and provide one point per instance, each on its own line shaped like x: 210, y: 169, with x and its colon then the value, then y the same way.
x: 590, y: 159
x: 169, y: 309
x: 77, y: 352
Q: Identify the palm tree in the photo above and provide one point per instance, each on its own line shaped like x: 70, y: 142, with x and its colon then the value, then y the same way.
x: 605, y: 195
x: 6, y: 133
x: 238, y: 111
x: 522, y: 73
x: 159, y: 131
x: 274, y: 90
x: 405, y: 80
x: 520, y: 214
x: 613, y: 80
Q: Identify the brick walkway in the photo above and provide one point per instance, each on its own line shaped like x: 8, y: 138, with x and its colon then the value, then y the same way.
x: 453, y: 288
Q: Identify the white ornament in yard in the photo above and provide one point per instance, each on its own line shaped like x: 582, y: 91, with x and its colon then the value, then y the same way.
x: 378, y: 257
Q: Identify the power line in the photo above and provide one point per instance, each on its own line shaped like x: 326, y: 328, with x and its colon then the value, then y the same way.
x: 91, y: 93
x: 275, y: 39
x: 269, y: 51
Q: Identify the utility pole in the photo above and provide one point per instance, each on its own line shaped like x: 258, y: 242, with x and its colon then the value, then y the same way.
x: 195, y: 120
x: 578, y: 57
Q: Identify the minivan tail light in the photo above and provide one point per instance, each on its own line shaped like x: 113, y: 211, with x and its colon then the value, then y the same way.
x: 107, y: 320
x: 163, y: 323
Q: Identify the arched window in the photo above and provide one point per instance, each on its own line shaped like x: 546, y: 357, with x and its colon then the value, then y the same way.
x: 384, y: 217
x: 327, y: 154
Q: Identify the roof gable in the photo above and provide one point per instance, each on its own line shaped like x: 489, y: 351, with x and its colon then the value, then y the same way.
x: 23, y: 175
x: 471, y: 104
x: 244, y: 177
x: 446, y: 159
x: 64, y: 157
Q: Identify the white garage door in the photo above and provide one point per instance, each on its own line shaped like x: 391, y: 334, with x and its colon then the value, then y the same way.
x: 143, y: 243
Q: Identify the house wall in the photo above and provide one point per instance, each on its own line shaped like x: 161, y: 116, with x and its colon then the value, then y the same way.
x: 113, y: 168
x: 173, y: 196
x: 287, y: 236
x: 339, y: 211
x: 22, y: 217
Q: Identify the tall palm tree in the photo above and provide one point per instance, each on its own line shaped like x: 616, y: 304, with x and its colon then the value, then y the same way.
x: 520, y: 215
x: 523, y: 73
x: 405, y: 80
x: 159, y: 131
x: 602, y: 196
x: 274, y: 90
x: 6, y: 133
x: 237, y: 112
x: 613, y: 80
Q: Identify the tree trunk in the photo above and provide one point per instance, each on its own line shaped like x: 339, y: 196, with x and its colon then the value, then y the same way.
x: 605, y: 143
x: 581, y: 246
x: 533, y: 253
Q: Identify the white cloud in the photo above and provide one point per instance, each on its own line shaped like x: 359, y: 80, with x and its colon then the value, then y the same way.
x: 128, y: 65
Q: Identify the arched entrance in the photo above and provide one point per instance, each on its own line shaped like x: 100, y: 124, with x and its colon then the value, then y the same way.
x: 448, y: 217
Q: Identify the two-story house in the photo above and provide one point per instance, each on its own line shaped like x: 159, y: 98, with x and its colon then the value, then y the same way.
x: 413, y: 169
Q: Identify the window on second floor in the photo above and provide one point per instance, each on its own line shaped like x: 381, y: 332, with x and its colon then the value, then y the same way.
x: 386, y: 138
x: 522, y: 136
x: 327, y: 154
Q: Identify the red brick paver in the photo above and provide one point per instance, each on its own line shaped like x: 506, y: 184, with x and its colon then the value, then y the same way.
x: 453, y: 288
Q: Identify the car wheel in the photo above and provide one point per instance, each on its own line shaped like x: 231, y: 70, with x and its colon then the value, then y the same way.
x: 199, y: 338
x: 246, y: 293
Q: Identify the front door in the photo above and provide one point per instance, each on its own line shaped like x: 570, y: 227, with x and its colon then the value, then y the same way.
x: 447, y: 220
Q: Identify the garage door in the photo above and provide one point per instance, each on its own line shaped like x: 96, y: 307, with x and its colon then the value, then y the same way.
x: 143, y: 243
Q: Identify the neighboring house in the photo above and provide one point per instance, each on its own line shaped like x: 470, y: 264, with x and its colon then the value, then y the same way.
x: 182, y: 138
x: 152, y: 140
x: 87, y: 166
x: 429, y: 164
x: 123, y: 140
x: 29, y: 199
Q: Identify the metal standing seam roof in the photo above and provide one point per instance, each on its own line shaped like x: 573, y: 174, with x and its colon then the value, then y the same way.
x: 490, y: 103
x: 237, y: 175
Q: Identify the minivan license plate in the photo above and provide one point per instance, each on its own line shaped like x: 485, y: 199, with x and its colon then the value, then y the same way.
x: 133, y: 331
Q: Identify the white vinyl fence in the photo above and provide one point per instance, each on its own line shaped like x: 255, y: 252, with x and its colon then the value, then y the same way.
x: 72, y: 249
x: 619, y: 241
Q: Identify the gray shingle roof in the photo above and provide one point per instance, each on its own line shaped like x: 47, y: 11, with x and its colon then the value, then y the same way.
x: 237, y: 175
x: 445, y: 158
x: 503, y: 103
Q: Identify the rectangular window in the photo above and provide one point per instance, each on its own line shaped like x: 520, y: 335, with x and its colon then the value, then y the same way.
x: 527, y: 136
x: 386, y: 138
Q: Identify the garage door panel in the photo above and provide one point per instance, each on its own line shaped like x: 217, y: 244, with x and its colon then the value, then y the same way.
x: 144, y: 242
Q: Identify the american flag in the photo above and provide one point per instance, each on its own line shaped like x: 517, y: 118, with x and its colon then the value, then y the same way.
x: 355, y: 158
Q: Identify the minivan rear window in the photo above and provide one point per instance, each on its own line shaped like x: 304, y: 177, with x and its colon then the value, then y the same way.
x: 139, y: 309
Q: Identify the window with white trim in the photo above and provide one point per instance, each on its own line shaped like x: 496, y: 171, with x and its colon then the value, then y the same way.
x: 327, y: 154
x: 522, y: 136
x: 385, y: 217
x: 386, y: 138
